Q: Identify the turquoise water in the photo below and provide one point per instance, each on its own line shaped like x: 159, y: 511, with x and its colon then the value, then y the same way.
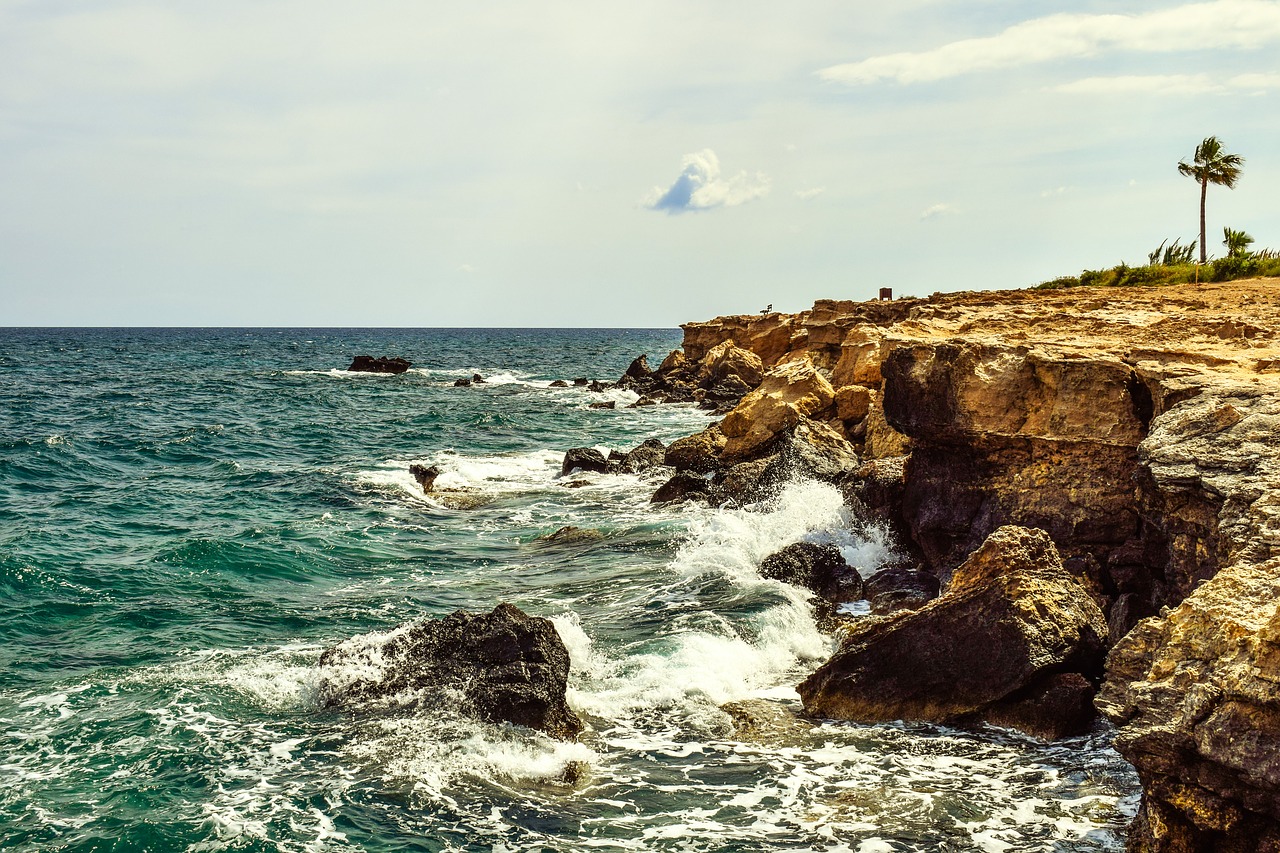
x: 189, y: 517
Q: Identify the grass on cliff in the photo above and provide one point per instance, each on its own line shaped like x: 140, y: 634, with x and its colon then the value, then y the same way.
x: 1259, y: 265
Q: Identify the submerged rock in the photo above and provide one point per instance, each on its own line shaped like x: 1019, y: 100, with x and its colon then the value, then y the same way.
x: 503, y: 666
x: 381, y: 364
x: 570, y: 534
x: 1011, y: 617
x: 612, y: 404
x: 559, y: 383
x: 462, y: 383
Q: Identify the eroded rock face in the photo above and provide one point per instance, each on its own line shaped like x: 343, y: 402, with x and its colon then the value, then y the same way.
x: 503, y: 666
x: 1011, y: 616
x: 699, y: 452
x: 1196, y: 695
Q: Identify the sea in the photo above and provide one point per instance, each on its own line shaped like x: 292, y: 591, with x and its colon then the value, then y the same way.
x: 190, y: 517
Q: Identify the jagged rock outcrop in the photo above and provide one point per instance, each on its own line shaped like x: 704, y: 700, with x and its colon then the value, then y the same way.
x: 1134, y: 425
x: 788, y: 393
x: 1011, y: 617
x: 503, y: 666
x: 425, y: 475
x: 381, y: 364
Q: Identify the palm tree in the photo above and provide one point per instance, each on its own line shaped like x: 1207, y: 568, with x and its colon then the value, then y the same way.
x: 1237, y: 242
x: 1212, y: 165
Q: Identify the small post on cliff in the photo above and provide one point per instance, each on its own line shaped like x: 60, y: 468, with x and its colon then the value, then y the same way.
x: 886, y: 293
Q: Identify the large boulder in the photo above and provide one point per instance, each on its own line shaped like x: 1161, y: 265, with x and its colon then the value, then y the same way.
x: 1196, y: 697
x: 649, y: 454
x: 584, y: 459
x: 788, y: 393
x: 682, y: 487
x: 503, y: 666
x: 730, y: 361
x: 818, y: 568
x: 381, y: 364
x: 1011, y: 616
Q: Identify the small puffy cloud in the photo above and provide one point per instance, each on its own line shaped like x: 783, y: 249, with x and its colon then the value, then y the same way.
x: 936, y: 210
x: 466, y: 268
x: 1057, y: 191
x: 1229, y: 24
x: 700, y: 186
x: 812, y: 192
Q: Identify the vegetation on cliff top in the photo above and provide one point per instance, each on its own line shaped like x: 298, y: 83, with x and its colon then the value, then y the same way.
x: 1171, y: 263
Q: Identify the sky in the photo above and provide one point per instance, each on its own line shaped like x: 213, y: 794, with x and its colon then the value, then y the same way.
x: 572, y: 163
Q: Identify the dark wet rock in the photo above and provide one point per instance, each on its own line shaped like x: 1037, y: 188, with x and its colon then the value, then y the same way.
x: 425, y: 475
x: 899, y: 588
x: 381, y: 364
x: 580, y: 381
x: 682, y: 487
x: 1053, y: 707
x: 597, y: 387
x: 462, y: 383
x: 649, y: 454
x: 611, y: 404
x: 819, y: 568
x: 576, y: 484
x: 559, y: 383
x: 876, y: 488
x: 747, y: 482
x: 570, y: 535
x: 699, y: 452
x: 584, y: 459
x: 1011, y: 617
x: 503, y: 666
x: 477, y: 379
x: 642, y: 402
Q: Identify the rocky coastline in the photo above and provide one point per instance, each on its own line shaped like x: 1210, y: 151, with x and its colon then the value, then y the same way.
x: 1084, y: 491
x: 1090, y: 476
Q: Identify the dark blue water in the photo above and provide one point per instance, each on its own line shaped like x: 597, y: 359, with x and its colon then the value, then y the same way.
x: 188, y: 517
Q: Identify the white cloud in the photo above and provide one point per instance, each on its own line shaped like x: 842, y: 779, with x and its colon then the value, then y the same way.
x: 812, y: 192
x: 700, y: 186
x: 1053, y: 192
x: 1196, y: 26
x: 937, y: 210
x: 1169, y: 84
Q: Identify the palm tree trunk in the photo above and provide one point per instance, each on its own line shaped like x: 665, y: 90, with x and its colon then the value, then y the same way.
x: 1204, y: 190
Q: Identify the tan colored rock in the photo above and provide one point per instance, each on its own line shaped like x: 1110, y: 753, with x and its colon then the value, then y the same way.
x: 1011, y: 616
x: 788, y: 392
x: 861, y: 352
x: 769, y: 336
x: 853, y: 402
x: 882, y: 441
x: 1195, y: 695
x: 728, y: 360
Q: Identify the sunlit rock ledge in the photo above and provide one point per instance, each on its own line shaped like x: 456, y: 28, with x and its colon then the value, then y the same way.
x: 1138, y: 427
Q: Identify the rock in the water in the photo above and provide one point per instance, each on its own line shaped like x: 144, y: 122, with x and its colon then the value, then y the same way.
x: 682, y: 487
x: 503, y: 666
x: 462, y: 383
x: 477, y: 379
x: 1011, y: 616
x: 597, y: 387
x: 425, y: 475
x: 559, y: 383
x: 899, y: 588
x: 639, y: 368
x: 381, y: 364
x: 642, y: 402
x: 612, y: 404
x: 584, y: 459
x: 765, y: 722
x: 649, y: 454
x: 819, y: 568
x: 581, y: 380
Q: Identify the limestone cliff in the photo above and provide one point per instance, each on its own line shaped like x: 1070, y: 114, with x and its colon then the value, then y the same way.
x: 1138, y: 428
